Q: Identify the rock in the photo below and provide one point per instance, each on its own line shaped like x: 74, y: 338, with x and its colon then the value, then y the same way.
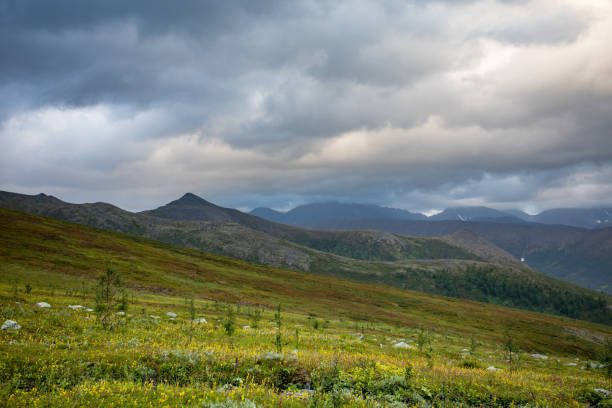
x: 171, y: 315
x: 154, y: 317
x: 246, y: 327
x: 540, y: 356
x: 492, y: 368
x: 89, y: 310
x: 75, y: 307
x: 120, y: 313
x: 200, y: 320
x: 603, y: 391
x: 571, y: 364
x: 403, y: 345
x: 10, y: 325
x: 43, y: 305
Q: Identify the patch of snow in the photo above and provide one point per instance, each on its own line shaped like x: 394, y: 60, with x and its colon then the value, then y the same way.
x: 43, y: 304
x: 10, y: 325
x: 172, y: 315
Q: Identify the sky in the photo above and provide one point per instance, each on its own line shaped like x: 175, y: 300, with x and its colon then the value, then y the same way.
x: 413, y: 104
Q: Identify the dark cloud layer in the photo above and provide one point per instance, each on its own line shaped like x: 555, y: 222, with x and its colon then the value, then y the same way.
x: 416, y: 104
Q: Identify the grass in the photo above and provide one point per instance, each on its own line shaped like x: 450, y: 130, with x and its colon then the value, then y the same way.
x: 343, y: 354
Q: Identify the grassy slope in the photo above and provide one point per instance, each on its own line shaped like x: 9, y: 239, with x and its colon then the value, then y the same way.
x: 48, y: 252
x: 63, y: 358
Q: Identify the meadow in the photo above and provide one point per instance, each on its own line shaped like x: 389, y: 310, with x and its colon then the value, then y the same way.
x: 334, y: 343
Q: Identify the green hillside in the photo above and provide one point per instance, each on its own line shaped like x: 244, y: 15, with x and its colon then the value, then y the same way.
x: 459, y: 265
x: 337, y: 344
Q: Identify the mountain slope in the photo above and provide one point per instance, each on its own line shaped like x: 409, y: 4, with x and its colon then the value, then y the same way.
x: 310, y: 214
x: 474, y: 214
x: 481, y: 271
x: 580, y: 256
x: 38, y: 249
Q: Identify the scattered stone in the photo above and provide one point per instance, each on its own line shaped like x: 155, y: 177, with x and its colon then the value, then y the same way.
x: 361, y: 338
x: 540, y: 356
x: 171, y: 315
x: 154, y: 317
x: 200, y: 320
x: 89, y: 310
x: 571, y: 364
x: 43, y: 305
x: 75, y: 307
x: 402, y: 345
x: 246, y: 327
x: 120, y: 313
x: 10, y: 325
x: 492, y: 368
x: 603, y: 391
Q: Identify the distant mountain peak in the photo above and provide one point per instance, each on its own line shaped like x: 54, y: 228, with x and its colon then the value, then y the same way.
x: 190, y: 198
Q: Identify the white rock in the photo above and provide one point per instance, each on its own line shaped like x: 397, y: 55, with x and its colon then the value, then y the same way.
x: 172, y: 315
x: 10, y: 325
x: 43, y: 304
x: 89, y: 310
x: 491, y: 368
x: 75, y: 307
x: 120, y: 313
x: 154, y: 317
x: 403, y: 345
x: 200, y: 320
x: 603, y: 391
x: 246, y: 327
x: 540, y: 356
x: 571, y: 364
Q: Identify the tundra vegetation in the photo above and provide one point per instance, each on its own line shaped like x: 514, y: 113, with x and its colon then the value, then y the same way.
x: 356, y: 344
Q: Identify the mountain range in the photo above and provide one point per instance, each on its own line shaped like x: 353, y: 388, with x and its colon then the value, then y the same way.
x: 459, y: 264
x: 310, y: 215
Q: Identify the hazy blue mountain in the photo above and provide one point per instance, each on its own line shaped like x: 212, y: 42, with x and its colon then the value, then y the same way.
x: 309, y: 214
x: 268, y: 214
x: 576, y: 217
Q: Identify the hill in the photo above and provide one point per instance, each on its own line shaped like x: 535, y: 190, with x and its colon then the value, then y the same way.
x: 310, y: 214
x: 332, y: 342
x: 488, y: 274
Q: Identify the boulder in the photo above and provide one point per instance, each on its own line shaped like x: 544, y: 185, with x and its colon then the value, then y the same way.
x: 403, y: 345
x: 44, y: 305
x: 200, y: 320
x: 10, y: 325
x: 492, y: 368
x: 171, y: 315
x: 75, y: 307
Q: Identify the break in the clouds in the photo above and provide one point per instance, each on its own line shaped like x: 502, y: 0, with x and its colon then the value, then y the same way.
x: 414, y: 104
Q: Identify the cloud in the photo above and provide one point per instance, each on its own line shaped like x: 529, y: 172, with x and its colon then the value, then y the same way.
x: 416, y: 104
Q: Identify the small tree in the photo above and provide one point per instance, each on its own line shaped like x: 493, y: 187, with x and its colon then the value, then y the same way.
x: 106, y: 292
x: 606, y: 357
x: 255, y: 318
x: 28, y: 288
x: 192, y: 315
x: 278, y: 342
x: 423, y: 338
x: 510, y: 345
x: 473, y: 345
x: 229, y: 323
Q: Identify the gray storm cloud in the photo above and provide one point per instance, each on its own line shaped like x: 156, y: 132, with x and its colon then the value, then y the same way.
x: 415, y: 104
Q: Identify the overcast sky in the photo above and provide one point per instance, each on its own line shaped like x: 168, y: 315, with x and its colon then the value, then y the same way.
x: 413, y: 104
